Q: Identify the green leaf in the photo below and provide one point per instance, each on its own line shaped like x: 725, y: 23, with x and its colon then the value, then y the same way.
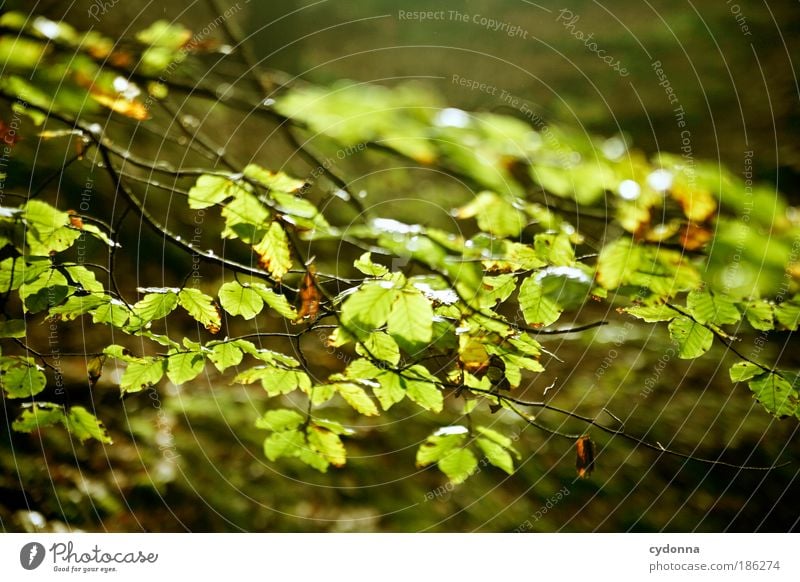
x: 424, y: 391
x: 77, y: 420
x: 39, y: 416
x: 778, y: 395
x: 538, y: 309
x: 389, y: 389
x: 495, y: 215
x: 78, y: 305
x: 368, y: 308
x: 362, y: 369
x: 210, y: 190
x: 120, y: 353
x: 298, y: 211
x: 184, y: 366
x: 328, y: 444
x: 85, y: 425
x: 21, y: 380
x: 498, y: 438
x: 652, y: 313
x: 788, y: 314
x: 14, y: 328
x: 410, y: 321
x: 706, y: 307
x: 163, y: 33
x: 273, y: 251
x: 280, y: 419
x: 365, y: 265
x: 12, y: 273
x: 440, y: 444
x: 616, y: 261
x: 759, y: 315
x: 48, y: 229
x: 284, y: 443
x: 142, y: 373
x: 225, y: 355
x: 237, y: 299
x: 275, y: 301
x: 381, y: 346
x: 496, y: 455
x: 85, y: 278
x: 276, y: 381
x: 693, y: 339
x: 201, y: 307
x: 459, y: 465
x: 356, y: 397
x: 742, y: 371
x: 114, y: 313
x: 312, y: 458
x: 47, y: 290
x: 155, y: 306
x: 497, y: 289
x: 273, y: 180
x: 245, y: 217
x: 554, y: 249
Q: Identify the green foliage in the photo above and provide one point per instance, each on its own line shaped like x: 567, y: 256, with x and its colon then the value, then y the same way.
x: 418, y: 314
x: 77, y: 420
x: 693, y: 338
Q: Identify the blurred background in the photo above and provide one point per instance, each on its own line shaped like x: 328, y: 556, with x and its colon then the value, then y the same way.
x: 190, y: 459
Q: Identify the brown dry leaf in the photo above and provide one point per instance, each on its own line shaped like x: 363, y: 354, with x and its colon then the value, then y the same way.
x: 75, y: 221
x: 584, y: 463
x: 694, y: 237
x: 121, y: 59
x: 309, y: 297
x: 6, y: 135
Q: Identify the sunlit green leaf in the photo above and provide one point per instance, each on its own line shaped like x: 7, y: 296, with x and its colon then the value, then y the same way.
x: 381, y: 346
x: 496, y: 454
x: 356, y: 397
x: 742, y: 371
x: 328, y: 444
x: 225, y: 355
x: 85, y: 425
x: 410, y: 320
x: 537, y: 309
x: 777, y: 394
x: 21, y: 379
x: 365, y: 265
x: 368, y: 308
x: 459, y: 465
x: 693, y: 339
x: 142, y: 373
x: 759, y: 315
x: 707, y: 307
x: 237, y: 299
x: 201, y: 307
x: 788, y: 314
x: 185, y: 366
x: 280, y: 419
x: 494, y: 214
x: 155, y: 306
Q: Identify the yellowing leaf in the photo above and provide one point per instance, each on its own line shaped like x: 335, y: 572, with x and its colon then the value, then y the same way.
x: 698, y: 204
x: 127, y: 107
x: 273, y: 251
